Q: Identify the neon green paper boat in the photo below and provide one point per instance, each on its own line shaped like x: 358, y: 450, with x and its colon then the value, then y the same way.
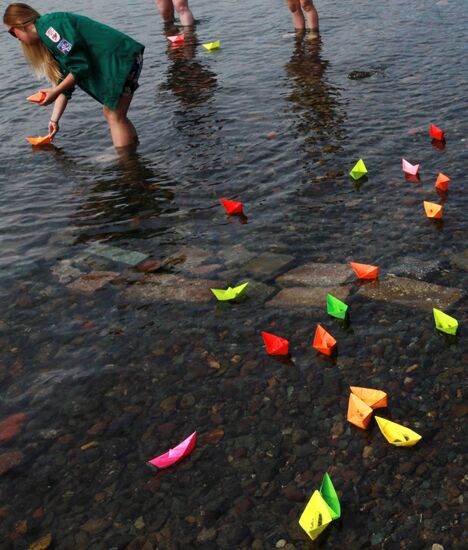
x: 212, y: 45
x: 336, y: 308
x: 328, y: 493
x: 359, y: 170
x: 444, y: 322
x: 229, y: 293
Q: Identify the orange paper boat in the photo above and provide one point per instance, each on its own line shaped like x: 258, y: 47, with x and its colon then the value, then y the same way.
x: 373, y: 398
x: 365, y: 271
x: 40, y: 140
x: 232, y: 207
x: 433, y: 210
x: 442, y: 182
x: 323, y: 341
x: 37, y: 97
x: 275, y: 345
x: 359, y: 413
x: 436, y: 133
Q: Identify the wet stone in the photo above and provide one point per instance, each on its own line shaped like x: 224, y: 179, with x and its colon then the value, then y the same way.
x: 92, y: 281
x: 306, y: 296
x: 10, y: 460
x: 116, y: 254
x: 64, y: 271
x: 267, y: 263
x: 413, y: 267
x: 189, y: 257
x: 316, y: 274
x: 412, y: 293
x: 9, y: 427
x: 460, y: 260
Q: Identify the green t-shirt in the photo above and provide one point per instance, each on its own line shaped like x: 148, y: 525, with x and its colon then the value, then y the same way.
x: 98, y: 56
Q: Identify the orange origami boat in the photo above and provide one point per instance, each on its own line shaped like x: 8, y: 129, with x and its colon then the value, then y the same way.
x: 433, y: 210
x: 37, y: 97
x: 373, y: 398
x: 365, y: 271
x: 442, y: 182
x: 323, y: 341
x: 40, y: 140
x: 359, y: 413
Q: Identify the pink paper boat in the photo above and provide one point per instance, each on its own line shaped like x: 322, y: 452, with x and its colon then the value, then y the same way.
x: 408, y: 168
x: 177, y: 453
x: 177, y: 38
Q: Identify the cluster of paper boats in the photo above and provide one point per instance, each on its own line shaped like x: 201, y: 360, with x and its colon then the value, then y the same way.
x: 179, y: 40
x: 411, y: 171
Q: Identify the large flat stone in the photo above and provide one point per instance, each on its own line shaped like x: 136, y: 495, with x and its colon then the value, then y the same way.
x: 267, y: 263
x: 413, y: 267
x: 117, y: 254
x: 411, y: 293
x: 307, y: 296
x: 460, y: 260
x: 314, y: 274
x: 189, y: 258
x: 168, y: 288
x: 235, y: 255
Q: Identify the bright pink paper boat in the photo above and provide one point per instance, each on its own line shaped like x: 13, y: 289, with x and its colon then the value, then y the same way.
x: 177, y: 453
x: 408, y: 168
x: 177, y: 38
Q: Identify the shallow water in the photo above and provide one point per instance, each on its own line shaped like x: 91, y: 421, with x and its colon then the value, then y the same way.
x: 109, y: 379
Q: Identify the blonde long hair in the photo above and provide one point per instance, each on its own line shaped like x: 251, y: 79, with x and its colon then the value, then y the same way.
x: 37, y: 56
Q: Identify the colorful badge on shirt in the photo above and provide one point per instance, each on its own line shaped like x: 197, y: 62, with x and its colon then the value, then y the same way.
x: 53, y: 35
x: 64, y: 46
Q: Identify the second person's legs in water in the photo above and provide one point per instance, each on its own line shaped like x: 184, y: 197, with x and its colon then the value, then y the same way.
x: 302, y: 11
x: 166, y: 9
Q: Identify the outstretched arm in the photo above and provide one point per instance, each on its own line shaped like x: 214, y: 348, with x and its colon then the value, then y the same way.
x: 59, y: 107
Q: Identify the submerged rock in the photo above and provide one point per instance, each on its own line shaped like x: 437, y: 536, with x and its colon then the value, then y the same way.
x: 307, y: 296
x: 315, y: 274
x: 268, y: 263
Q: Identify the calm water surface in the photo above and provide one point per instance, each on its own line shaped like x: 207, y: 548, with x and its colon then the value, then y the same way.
x: 103, y: 381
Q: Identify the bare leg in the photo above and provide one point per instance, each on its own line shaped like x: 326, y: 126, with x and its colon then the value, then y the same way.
x: 311, y: 14
x: 166, y: 10
x: 122, y: 130
x: 185, y: 15
x: 296, y: 13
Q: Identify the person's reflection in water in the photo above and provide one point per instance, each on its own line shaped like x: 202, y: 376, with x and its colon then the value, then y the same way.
x: 131, y: 202
x: 315, y: 101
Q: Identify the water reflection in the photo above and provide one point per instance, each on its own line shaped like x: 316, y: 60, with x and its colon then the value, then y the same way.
x: 314, y: 100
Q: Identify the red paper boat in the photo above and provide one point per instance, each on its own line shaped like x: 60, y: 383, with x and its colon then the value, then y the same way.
x: 436, y: 133
x: 37, y: 97
x: 232, y: 207
x: 275, y: 345
x: 177, y: 453
x: 433, y: 210
x: 408, y: 168
x: 365, y: 271
x: 323, y: 341
x: 177, y: 38
x: 442, y: 182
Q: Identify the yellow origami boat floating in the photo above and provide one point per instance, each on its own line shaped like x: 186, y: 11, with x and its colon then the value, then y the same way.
x: 396, y: 434
x: 316, y: 517
x: 229, y: 293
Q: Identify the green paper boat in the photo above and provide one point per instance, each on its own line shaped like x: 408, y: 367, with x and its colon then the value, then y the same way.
x: 329, y: 495
x: 336, y: 308
x: 229, y: 293
x: 444, y: 322
x: 359, y: 170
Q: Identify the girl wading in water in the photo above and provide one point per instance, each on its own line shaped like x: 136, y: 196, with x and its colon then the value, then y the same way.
x: 72, y: 50
x: 302, y: 11
x: 166, y: 9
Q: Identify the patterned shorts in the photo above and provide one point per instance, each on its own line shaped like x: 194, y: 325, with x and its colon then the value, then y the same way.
x: 131, y: 84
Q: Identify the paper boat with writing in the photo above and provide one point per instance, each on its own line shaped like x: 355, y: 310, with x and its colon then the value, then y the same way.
x: 359, y: 413
x: 232, y: 207
x: 336, y: 308
x: 359, y: 170
x: 316, y: 516
x: 210, y: 46
x: 365, y: 271
x: 176, y: 39
x: 328, y: 493
x: 177, y: 453
x: 444, y: 322
x: 373, y: 398
x: 38, y: 97
x: 323, y: 341
x: 436, y: 133
x: 433, y: 210
x: 40, y: 140
x: 229, y: 293
x: 442, y: 182
x: 408, y: 168
x: 275, y: 345
x: 396, y: 434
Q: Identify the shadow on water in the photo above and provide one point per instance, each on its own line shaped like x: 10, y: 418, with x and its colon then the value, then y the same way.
x: 314, y: 100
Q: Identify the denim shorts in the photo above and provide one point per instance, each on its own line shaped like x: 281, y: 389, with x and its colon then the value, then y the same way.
x: 131, y: 84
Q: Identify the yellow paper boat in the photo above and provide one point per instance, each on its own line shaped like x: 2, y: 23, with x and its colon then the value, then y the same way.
x: 316, y: 516
x: 444, y: 322
x: 229, y: 293
x: 212, y: 45
x: 396, y: 434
